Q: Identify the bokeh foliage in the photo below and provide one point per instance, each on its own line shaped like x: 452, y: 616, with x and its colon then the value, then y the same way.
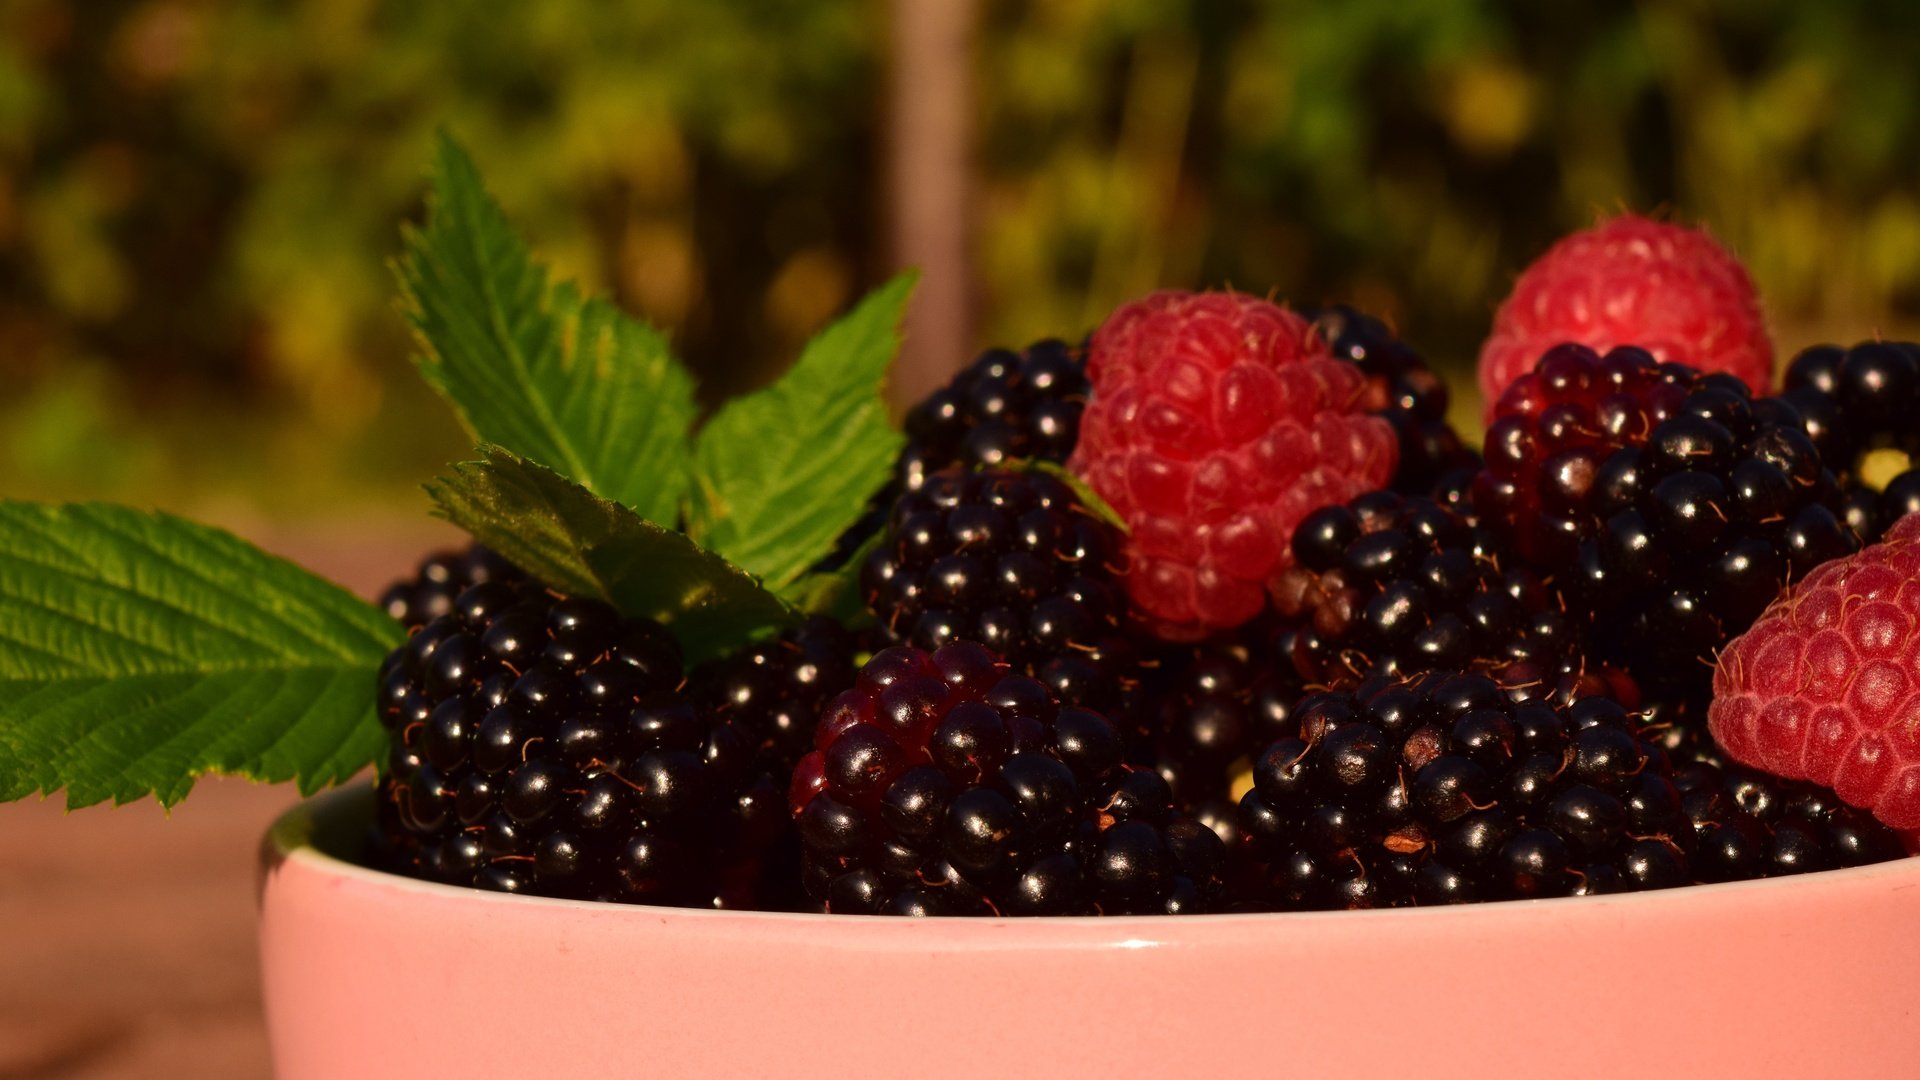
x: 197, y: 198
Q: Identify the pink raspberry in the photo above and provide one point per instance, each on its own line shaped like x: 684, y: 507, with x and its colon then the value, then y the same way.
x: 1669, y: 289
x: 1826, y: 685
x: 1218, y: 422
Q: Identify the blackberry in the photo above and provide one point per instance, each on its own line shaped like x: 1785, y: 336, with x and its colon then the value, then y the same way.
x: 440, y: 578
x: 1004, y: 406
x: 1201, y: 713
x: 1441, y: 790
x: 777, y: 689
x: 1697, y: 532
x: 1395, y: 585
x: 1748, y: 824
x: 948, y: 784
x: 542, y: 745
x: 1011, y: 560
x: 1855, y: 402
x: 1408, y: 394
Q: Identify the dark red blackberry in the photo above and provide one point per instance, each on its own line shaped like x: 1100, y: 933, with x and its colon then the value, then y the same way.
x: 1395, y: 585
x: 1005, y: 406
x: 777, y: 689
x: 1856, y: 401
x: 543, y: 746
x: 441, y: 577
x: 1011, y: 560
x: 1553, y: 429
x: 947, y: 784
x: 1407, y: 393
x: 1442, y: 790
x: 1748, y: 824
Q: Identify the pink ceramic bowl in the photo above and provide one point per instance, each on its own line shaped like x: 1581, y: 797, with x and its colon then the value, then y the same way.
x: 372, y: 975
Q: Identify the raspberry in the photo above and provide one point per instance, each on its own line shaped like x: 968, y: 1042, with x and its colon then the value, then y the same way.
x: 1218, y: 421
x: 440, y: 578
x: 1011, y: 560
x: 1441, y: 790
x: 1631, y: 281
x: 1389, y: 585
x: 543, y: 746
x: 947, y: 784
x: 1402, y: 389
x: 1826, y: 685
x: 1857, y: 401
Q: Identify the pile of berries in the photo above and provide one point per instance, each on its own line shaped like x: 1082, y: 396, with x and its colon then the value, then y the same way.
x: 1218, y: 612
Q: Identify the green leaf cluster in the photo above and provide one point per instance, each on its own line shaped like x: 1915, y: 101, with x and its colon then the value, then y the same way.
x: 139, y: 651
x: 543, y: 377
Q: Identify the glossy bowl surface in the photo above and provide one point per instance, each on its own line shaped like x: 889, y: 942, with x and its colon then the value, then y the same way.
x: 372, y: 975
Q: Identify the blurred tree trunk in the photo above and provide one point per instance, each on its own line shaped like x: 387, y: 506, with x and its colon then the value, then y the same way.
x: 929, y: 184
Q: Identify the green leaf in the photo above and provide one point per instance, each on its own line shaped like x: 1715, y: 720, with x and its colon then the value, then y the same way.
x: 779, y: 473
x: 542, y: 371
x: 139, y: 651
x: 584, y: 545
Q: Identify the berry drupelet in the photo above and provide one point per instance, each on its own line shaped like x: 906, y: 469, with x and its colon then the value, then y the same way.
x: 1857, y: 401
x: 948, y: 784
x: 1441, y: 790
x: 1392, y: 585
x: 440, y: 578
x: 543, y: 746
x: 1011, y: 560
x: 1407, y: 393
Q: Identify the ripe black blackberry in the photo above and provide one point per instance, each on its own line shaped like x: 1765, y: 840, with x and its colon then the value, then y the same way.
x: 543, y: 746
x: 440, y: 578
x: 1441, y: 790
x: 1748, y: 824
x: 947, y: 784
x: 1004, y: 406
x: 1011, y: 560
x: 1395, y: 585
x: 776, y: 689
x: 1854, y: 402
x: 1408, y: 394
x: 1696, y: 530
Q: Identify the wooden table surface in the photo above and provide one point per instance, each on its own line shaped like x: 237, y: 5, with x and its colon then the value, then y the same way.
x: 127, y: 934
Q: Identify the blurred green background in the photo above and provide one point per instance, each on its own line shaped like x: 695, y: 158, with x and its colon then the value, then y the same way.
x: 198, y: 199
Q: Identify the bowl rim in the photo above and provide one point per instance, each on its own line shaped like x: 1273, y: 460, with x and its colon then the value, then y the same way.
x: 293, y: 838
